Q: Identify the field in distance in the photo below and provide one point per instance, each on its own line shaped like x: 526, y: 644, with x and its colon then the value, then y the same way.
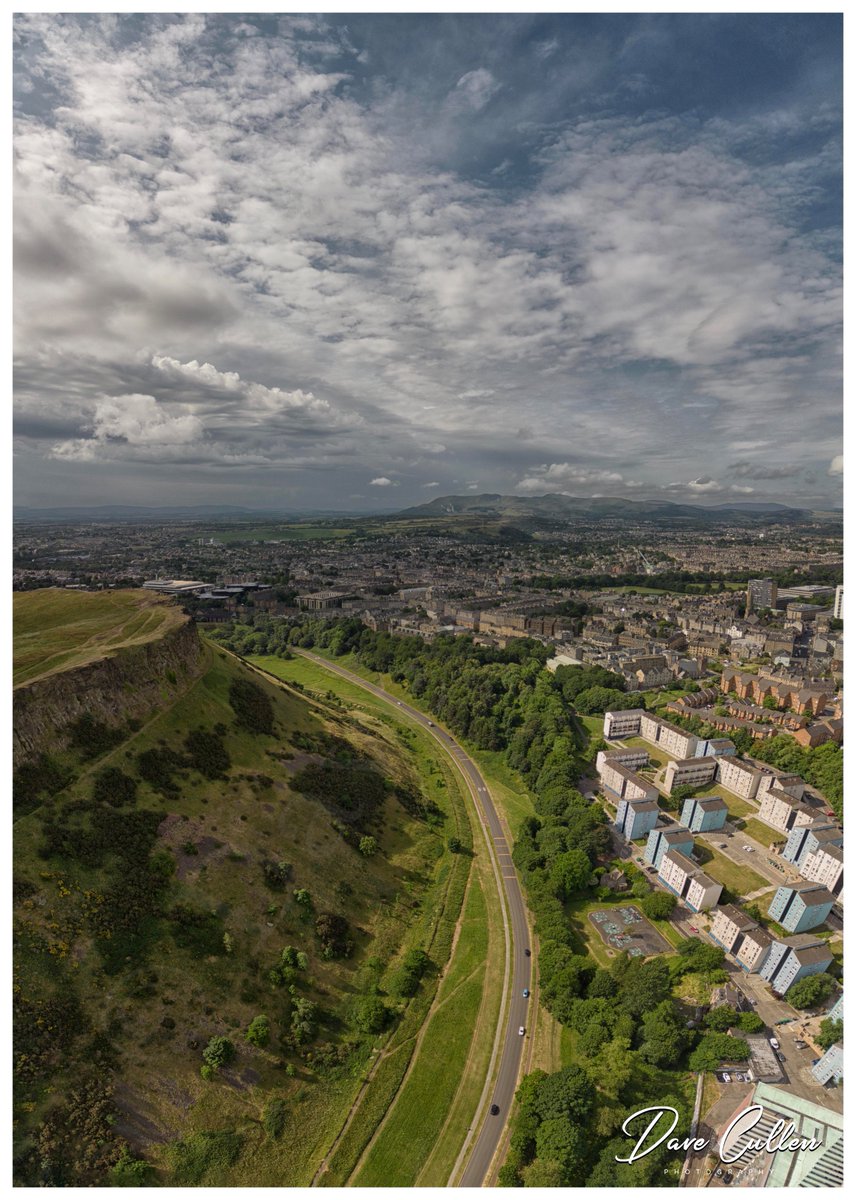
x: 55, y: 630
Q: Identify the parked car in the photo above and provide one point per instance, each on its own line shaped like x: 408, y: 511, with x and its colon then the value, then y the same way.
x: 801, y: 1045
x: 815, y: 1061
x: 718, y: 1171
x: 748, y: 849
x: 726, y: 1078
x: 727, y: 1177
x: 773, y: 1042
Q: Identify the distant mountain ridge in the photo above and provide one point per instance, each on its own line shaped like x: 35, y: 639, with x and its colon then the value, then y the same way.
x: 555, y: 506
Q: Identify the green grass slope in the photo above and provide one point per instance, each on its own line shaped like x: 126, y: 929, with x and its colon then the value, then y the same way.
x: 154, y: 898
x: 56, y: 630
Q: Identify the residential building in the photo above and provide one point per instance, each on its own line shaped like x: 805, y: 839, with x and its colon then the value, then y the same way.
x: 663, y: 838
x: 761, y: 593
x: 713, y: 747
x: 671, y: 738
x: 752, y: 951
x: 781, y: 811
x: 622, y: 724
x: 620, y: 783
x: 703, y: 815
x: 801, y: 907
x: 636, y: 818
x: 729, y: 925
x: 689, y: 772
x: 836, y: 1013
x: 687, y: 880
x: 825, y: 865
x: 838, y: 607
x: 803, y: 839
x: 831, y: 1066
x: 794, y: 958
x: 633, y: 757
x: 738, y: 776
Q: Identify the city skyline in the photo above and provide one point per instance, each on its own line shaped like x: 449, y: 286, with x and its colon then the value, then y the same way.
x: 356, y: 262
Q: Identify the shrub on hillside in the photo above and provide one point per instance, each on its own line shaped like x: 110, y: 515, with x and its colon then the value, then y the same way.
x: 112, y: 786
x: 252, y: 706
x: 207, y: 754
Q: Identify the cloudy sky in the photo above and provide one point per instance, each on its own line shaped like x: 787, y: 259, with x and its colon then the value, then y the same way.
x: 357, y: 261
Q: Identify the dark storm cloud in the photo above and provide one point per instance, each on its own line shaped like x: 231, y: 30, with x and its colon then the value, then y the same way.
x: 318, y: 252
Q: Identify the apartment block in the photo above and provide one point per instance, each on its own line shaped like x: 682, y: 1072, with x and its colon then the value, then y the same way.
x: 663, y: 838
x: 704, y: 815
x: 794, y: 959
x: 626, y: 784
x: 831, y: 1066
x: 632, y: 758
x: 825, y: 865
x: 674, y: 740
x: 761, y: 593
x: 836, y: 1013
x: 713, y: 747
x: 838, y: 607
x: 636, y: 818
x: 622, y: 724
x: 738, y: 776
x: 729, y: 925
x: 801, y: 908
x: 781, y: 811
x: 689, y: 772
x: 803, y: 839
x: 687, y: 880
x: 753, y: 949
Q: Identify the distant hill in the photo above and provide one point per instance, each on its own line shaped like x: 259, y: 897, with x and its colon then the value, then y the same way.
x: 556, y: 508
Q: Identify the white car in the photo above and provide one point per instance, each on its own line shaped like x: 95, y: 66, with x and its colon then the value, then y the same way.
x: 522, y: 1030
x: 748, y: 849
x: 774, y: 1043
x: 726, y: 1078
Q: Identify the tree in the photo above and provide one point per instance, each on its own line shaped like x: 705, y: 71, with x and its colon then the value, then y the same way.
x: 218, y: 1053
x: 258, y: 1031
x: 664, y: 1035
x: 570, y: 873
x: 558, y: 1141
x: 811, y: 991
x: 715, y: 1048
x: 659, y: 905
x: 829, y: 1033
x: 371, y: 1015
x: 721, y: 1018
x: 455, y: 845
x: 274, y: 1117
x: 615, y: 1067
x: 750, y: 1022
x: 368, y: 846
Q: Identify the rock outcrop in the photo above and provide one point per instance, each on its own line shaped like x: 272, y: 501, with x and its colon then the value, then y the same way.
x: 133, y: 683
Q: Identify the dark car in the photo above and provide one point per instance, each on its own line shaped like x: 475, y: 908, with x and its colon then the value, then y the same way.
x: 727, y: 1177
x: 528, y: 952
x: 494, y: 1109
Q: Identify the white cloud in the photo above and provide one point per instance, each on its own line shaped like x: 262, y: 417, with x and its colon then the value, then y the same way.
x: 382, y: 481
x: 431, y: 485
x: 836, y: 467
x: 136, y: 421
x: 477, y: 88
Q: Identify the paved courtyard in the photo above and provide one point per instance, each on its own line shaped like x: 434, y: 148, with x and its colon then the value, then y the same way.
x: 623, y: 927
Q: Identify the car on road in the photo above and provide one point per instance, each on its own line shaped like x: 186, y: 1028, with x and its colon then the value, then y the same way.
x: 773, y: 1042
x: 431, y: 723
x: 526, y: 993
x: 494, y: 1109
x: 693, y: 929
x: 528, y: 952
x: 521, y: 1030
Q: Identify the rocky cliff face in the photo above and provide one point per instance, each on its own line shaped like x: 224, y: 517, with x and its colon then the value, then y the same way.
x: 133, y: 683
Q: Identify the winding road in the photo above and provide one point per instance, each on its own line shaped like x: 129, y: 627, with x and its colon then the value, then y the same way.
x: 515, y: 1011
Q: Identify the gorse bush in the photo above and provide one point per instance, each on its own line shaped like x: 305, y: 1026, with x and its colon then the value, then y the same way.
x: 252, y: 706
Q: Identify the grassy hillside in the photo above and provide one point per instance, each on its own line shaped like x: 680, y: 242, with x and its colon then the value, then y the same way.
x: 157, y: 896
x: 56, y: 630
